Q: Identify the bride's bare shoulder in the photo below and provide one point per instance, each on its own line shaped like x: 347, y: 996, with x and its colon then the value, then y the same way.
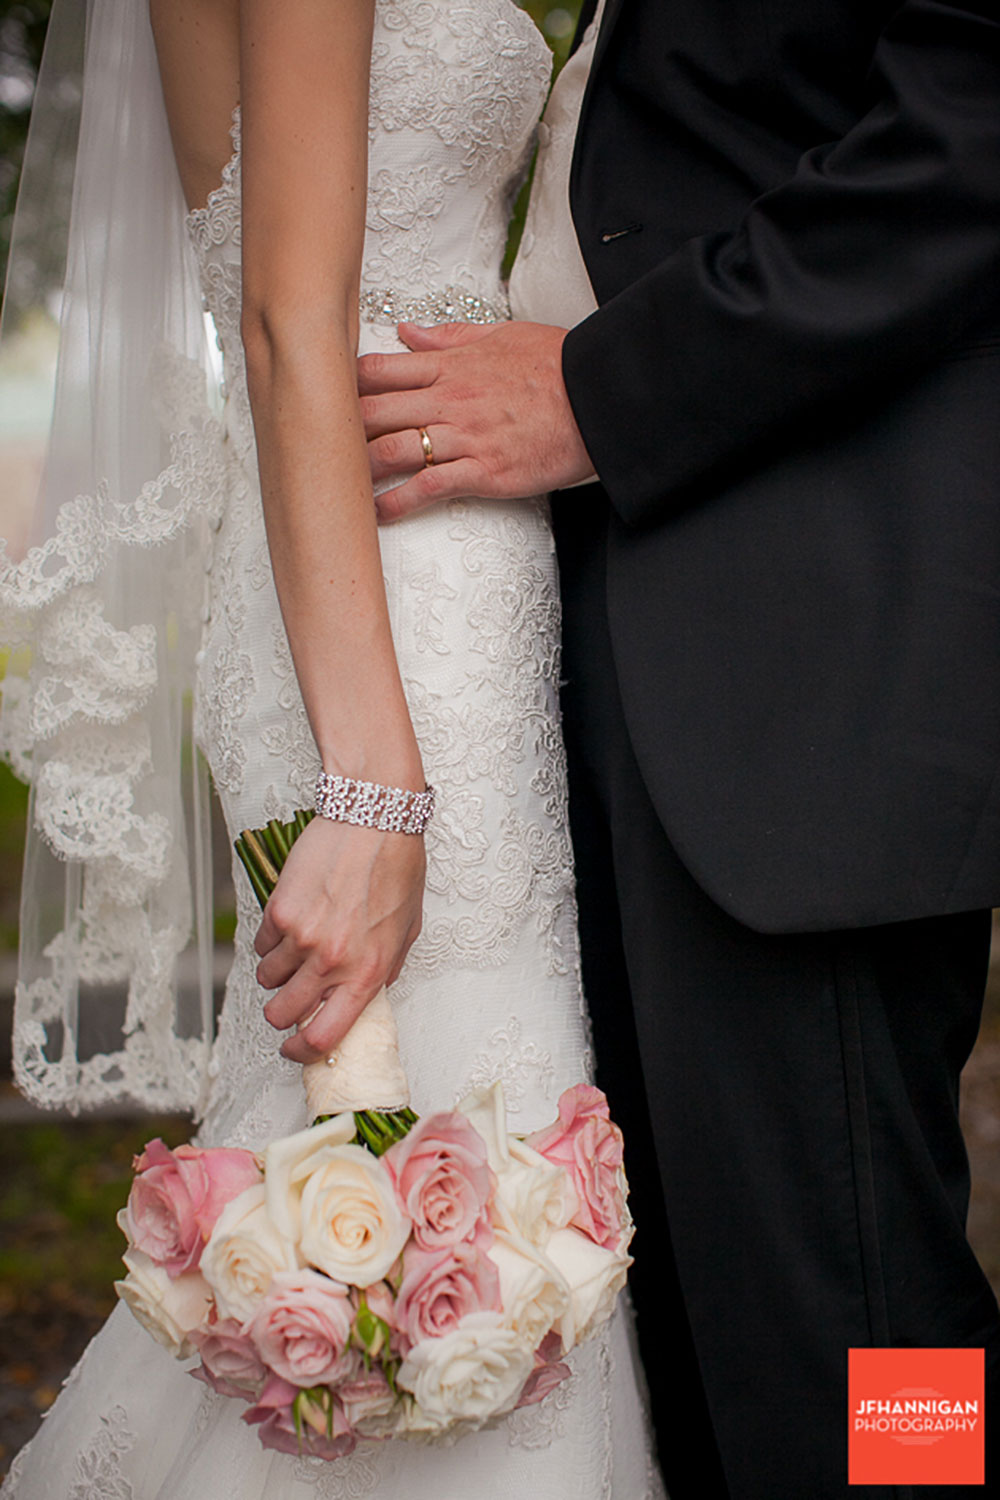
x: 197, y: 44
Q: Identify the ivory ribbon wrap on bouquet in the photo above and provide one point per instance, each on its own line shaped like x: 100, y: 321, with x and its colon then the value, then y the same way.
x: 365, y: 1071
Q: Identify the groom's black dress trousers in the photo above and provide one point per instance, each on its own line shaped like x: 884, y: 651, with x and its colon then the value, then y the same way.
x: 782, y: 616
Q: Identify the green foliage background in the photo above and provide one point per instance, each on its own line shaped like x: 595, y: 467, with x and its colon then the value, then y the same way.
x: 22, y: 35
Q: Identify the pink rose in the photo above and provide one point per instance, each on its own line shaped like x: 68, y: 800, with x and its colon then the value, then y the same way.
x: 588, y: 1144
x: 177, y: 1197
x: 369, y: 1404
x: 438, y: 1290
x: 549, y: 1371
x: 443, y: 1180
x: 325, y: 1432
x: 230, y: 1363
x: 302, y: 1329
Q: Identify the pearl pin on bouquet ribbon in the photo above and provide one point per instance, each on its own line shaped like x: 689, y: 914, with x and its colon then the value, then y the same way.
x: 365, y: 1071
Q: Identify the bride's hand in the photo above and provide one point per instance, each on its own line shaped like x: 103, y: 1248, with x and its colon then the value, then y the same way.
x: 338, y: 926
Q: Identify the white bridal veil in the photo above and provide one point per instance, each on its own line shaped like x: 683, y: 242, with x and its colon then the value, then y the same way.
x: 102, y: 612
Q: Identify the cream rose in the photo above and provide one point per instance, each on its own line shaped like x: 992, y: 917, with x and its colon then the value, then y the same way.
x: 533, y: 1197
x: 352, y: 1226
x: 244, y: 1252
x: 473, y: 1374
x: 171, y: 1308
x: 486, y: 1111
x: 594, y: 1276
x: 288, y: 1163
x: 533, y: 1293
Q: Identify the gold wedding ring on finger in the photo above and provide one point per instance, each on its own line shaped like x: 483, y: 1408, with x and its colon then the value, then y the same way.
x: 427, y: 446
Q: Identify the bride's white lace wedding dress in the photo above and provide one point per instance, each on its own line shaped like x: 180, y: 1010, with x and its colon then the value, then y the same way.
x: 491, y: 989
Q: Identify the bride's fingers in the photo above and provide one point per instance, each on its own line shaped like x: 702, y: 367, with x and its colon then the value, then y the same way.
x: 307, y: 1045
x: 306, y: 1048
x: 451, y: 481
x: 306, y: 992
x: 278, y: 965
x: 327, y: 1027
x: 299, y: 995
x: 268, y: 933
x: 404, y: 452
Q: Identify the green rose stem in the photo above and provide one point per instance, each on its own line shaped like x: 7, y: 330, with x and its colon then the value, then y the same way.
x: 263, y: 852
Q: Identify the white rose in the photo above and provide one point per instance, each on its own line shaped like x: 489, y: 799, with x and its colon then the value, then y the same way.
x: 474, y: 1373
x: 594, y: 1275
x: 352, y: 1226
x: 168, y: 1308
x: 533, y: 1292
x: 244, y: 1252
x: 287, y: 1164
x: 533, y: 1197
x: 486, y: 1112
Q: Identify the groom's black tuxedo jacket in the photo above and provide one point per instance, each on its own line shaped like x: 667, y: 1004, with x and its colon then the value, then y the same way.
x: 790, y: 212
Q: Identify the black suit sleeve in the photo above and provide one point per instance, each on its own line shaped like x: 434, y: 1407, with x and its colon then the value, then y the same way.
x: 881, y: 251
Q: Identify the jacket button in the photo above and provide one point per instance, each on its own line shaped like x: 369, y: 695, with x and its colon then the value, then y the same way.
x: 608, y: 235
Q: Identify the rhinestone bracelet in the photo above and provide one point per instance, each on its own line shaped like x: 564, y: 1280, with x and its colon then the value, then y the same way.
x: 390, y: 809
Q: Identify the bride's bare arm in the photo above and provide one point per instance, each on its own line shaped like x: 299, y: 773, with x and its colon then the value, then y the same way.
x: 348, y: 903
x: 347, y: 906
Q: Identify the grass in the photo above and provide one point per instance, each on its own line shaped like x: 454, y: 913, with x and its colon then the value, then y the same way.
x: 13, y: 812
x: 60, y: 1251
x: 62, y: 1187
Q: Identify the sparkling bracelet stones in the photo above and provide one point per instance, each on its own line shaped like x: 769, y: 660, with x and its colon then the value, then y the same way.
x: 390, y: 809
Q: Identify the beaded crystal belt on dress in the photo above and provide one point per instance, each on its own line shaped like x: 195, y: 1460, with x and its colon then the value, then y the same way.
x: 451, y: 304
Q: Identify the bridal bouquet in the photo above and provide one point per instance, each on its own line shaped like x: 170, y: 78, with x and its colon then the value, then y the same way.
x: 379, y: 1275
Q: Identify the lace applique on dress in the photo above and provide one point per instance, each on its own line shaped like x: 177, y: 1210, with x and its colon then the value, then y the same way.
x: 343, y: 1481
x: 468, y: 80
x: 539, y: 1426
x: 515, y: 1061
x: 431, y: 592
x: 99, y: 1474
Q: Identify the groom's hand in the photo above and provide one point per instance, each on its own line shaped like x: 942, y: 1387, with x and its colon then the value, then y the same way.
x: 494, y: 407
